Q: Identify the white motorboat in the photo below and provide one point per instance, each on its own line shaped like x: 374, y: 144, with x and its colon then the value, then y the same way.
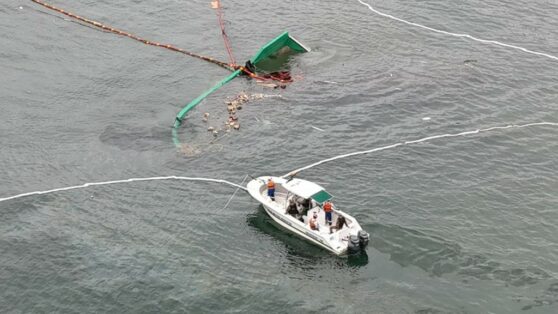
x: 308, y: 198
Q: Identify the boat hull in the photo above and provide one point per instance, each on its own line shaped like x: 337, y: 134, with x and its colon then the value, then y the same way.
x: 309, y: 236
x: 336, y: 242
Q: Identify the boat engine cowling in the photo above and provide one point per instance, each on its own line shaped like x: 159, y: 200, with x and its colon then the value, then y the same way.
x: 363, y: 239
x: 354, y: 244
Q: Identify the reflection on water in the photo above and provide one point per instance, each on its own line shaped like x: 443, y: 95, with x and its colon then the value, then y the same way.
x: 358, y: 259
x: 298, y: 251
x: 135, y: 138
x: 438, y: 256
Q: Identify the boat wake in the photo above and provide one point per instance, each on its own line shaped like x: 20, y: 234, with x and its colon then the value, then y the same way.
x: 484, y: 41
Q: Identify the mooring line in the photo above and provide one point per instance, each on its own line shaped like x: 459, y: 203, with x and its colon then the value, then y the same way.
x: 85, y: 185
x: 484, y: 41
x: 235, y: 191
x: 134, y: 37
x: 425, y: 139
x: 216, y: 4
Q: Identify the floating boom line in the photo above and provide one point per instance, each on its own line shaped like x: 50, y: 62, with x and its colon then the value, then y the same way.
x: 424, y: 139
x: 280, y: 45
x: 89, y: 184
x: 480, y: 40
x: 113, y: 30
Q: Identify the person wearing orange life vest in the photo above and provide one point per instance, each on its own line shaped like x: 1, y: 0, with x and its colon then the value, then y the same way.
x: 328, y: 209
x: 313, y: 222
x: 271, y: 189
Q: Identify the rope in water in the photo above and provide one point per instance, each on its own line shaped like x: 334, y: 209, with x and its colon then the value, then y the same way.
x: 85, y: 185
x: 425, y: 139
x: 134, y: 37
x: 217, y: 5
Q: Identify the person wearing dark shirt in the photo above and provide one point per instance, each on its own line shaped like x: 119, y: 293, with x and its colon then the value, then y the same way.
x: 339, y: 225
x: 291, y: 209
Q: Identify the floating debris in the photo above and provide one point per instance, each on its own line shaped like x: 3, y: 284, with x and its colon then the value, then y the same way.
x: 205, y: 117
x: 425, y: 118
x: 243, y: 97
x: 271, y: 85
x: 233, y: 105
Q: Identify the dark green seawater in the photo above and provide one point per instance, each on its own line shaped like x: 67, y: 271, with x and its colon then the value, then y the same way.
x: 458, y: 225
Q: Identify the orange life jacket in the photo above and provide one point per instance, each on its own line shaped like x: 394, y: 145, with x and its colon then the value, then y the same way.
x: 327, y: 207
x: 270, y: 185
x: 313, y: 223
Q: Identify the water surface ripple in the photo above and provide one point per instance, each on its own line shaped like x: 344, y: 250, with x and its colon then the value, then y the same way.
x: 458, y: 225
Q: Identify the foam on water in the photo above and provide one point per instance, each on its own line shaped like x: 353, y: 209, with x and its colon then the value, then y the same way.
x: 484, y: 41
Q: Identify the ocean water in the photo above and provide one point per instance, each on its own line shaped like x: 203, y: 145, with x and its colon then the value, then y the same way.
x: 464, y: 224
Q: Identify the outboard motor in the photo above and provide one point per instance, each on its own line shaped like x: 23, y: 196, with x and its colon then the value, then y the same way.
x: 363, y: 238
x: 354, y: 245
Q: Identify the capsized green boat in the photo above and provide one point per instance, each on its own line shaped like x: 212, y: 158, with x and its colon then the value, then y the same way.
x: 275, y: 53
x: 269, y: 58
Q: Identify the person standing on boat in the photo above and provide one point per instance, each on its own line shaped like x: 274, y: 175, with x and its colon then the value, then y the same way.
x: 291, y: 209
x: 303, y: 206
x: 328, y: 209
x: 271, y: 189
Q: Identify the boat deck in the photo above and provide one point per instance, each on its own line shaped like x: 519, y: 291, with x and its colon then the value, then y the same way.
x: 324, y: 228
x: 336, y: 242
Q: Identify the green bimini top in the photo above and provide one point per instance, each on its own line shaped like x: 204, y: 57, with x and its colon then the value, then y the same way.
x: 307, y: 189
x: 321, y: 197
